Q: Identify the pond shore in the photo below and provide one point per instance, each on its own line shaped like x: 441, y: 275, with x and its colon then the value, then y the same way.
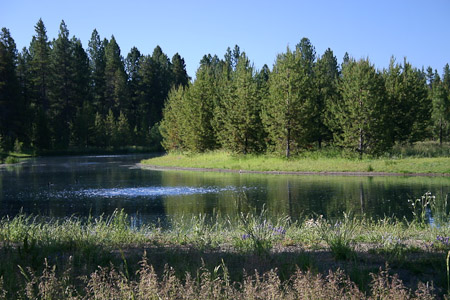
x: 349, y: 257
x: 263, y: 164
x: 324, y: 173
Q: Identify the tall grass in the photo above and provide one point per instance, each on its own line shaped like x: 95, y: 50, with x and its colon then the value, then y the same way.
x: 421, y: 149
x: 110, y: 283
x: 98, y: 258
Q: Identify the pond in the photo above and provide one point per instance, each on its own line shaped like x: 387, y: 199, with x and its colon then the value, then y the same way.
x: 94, y: 185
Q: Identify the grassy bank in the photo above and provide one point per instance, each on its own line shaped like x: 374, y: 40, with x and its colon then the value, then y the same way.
x: 13, y: 157
x: 248, y: 257
x: 312, y: 162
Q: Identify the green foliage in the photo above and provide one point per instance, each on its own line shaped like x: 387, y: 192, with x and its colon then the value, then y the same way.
x: 326, y: 75
x: 122, y: 132
x: 9, y: 90
x: 11, y: 160
x: 84, y: 127
x: 317, y: 161
x: 410, y: 106
x: 259, y: 234
x: 241, y: 129
x: 198, y: 111
x: 440, y: 98
x: 363, y: 113
x: 18, y: 146
x: 179, y: 74
x: 286, y: 111
x: 339, y: 237
x: 57, y: 95
x: 103, y: 258
x: 172, y: 124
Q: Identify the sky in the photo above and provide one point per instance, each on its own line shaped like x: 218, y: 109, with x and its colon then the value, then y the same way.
x: 377, y: 29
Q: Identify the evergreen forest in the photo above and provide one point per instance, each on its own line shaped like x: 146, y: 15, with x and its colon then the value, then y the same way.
x: 305, y: 102
x: 57, y: 95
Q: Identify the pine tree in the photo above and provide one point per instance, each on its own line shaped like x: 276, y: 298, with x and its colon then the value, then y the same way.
x: 145, y: 98
x: 156, y: 81
x: 174, y: 116
x: 122, y: 132
x: 81, y: 74
x: 287, y: 112
x: 262, y: 82
x: 26, y: 115
x: 440, y: 98
x: 83, y: 127
x: 161, y: 82
x: 446, y: 77
x: 199, y: 134
x: 9, y: 90
x: 242, y: 128
x: 61, y: 88
x: 179, y: 74
x: 99, y: 135
x: 116, y: 94
x: 326, y: 78
x: 363, y: 112
x: 410, y: 104
x: 96, y: 51
x: 110, y: 129
x: 40, y: 77
x: 132, y: 67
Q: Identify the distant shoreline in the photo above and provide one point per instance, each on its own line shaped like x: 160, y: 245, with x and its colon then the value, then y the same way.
x: 324, y: 173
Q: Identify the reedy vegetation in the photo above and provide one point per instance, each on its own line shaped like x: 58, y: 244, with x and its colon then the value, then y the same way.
x: 203, y: 257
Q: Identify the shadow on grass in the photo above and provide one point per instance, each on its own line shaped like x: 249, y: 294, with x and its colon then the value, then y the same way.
x: 19, y: 262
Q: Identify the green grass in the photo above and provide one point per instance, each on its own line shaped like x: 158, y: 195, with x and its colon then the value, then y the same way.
x: 13, y: 157
x: 307, y: 163
x: 84, y: 256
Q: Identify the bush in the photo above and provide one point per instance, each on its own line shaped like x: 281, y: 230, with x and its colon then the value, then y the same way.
x: 11, y: 160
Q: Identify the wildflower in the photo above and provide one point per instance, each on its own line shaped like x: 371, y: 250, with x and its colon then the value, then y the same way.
x: 444, y: 240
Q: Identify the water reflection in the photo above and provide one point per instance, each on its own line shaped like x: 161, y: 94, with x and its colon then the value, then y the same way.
x: 95, y: 185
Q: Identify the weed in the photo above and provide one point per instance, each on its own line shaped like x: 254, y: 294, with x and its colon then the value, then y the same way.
x: 339, y: 237
x: 421, y: 208
x: 109, y: 283
x: 258, y: 233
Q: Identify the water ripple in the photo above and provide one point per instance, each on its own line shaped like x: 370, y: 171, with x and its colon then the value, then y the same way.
x: 150, y: 191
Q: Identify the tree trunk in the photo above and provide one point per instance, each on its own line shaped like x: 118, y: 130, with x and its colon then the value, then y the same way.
x: 288, y: 143
x: 361, y: 143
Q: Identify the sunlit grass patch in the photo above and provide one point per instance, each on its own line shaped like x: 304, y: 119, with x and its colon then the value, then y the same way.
x: 307, y: 163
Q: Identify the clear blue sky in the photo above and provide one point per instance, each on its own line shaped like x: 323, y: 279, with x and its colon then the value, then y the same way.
x: 419, y: 30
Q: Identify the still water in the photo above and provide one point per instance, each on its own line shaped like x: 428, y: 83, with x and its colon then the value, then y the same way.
x: 95, y: 185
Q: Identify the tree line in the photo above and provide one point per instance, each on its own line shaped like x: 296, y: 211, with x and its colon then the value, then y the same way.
x: 55, y: 95
x: 306, y: 101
